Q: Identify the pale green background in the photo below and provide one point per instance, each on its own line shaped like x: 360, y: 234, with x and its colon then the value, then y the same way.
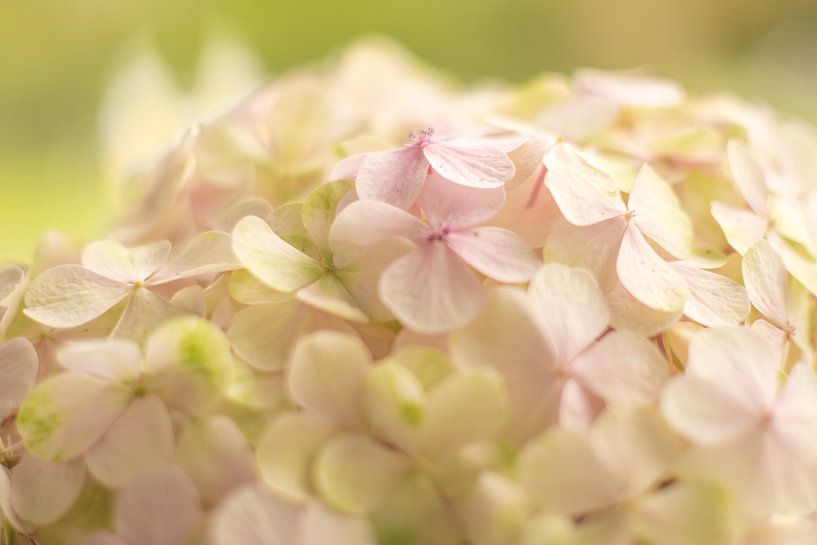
x: 56, y: 56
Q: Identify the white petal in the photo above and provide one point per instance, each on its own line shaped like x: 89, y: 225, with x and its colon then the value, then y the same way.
x: 144, y: 312
x: 740, y: 227
x: 737, y: 359
x: 111, y: 260
x: 216, y: 456
x: 326, y: 375
x: 330, y: 295
x: 647, y: 276
x: 705, y: 411
x: 394, y: 402
x: 638, y: 446
x: 505, y: 336
x: 584, y: 194
x: 255, y: 516
x: 714, y: 300
x: 319, y: 211
x: 41, y: 492
x: 18, y: 367
x: 320, y: 526
x: 248, y: 290
x: 10, y: 278
x: 563, y: 474
x: 66, y: 414
x: 270, y: 259
x: 793, y: 427
x: 571, y: 308
x: 629, y: 88
x: 748, y: 176
x: 116, y: 360
x: 286, y: 451
x: 467, y: 407
x: 658, y: 214
x: 623, y: 367
x: 208, y: 253
x: 140, y: 440
x: 6, y: 509
x: 69, y: 295
x: 264, y: 335
x: 160, y: 508
x: 764, y: 275
x: 187, y: 364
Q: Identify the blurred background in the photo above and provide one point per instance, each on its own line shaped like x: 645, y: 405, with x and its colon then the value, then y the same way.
x: 57, y: 58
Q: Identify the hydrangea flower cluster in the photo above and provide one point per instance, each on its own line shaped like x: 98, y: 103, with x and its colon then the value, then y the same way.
x: 363, y: 306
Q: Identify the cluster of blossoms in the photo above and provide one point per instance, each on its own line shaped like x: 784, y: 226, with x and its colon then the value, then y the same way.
x: 576, y: 312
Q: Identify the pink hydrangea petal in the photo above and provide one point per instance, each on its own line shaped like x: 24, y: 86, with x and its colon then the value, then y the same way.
x: 364, y: 223
x: 497, y: 253
x: 216, y: 456
x: 583, y: 193
x: 140, y: 440
x: 647, y: 276
x: 347, y: 168
x: 431, y: 289
x: 469, y: 164
x: 18, y: 367
x: 255, y: 516
x: 160, y: 508
x: 458, y: 206
x: 395, y: 176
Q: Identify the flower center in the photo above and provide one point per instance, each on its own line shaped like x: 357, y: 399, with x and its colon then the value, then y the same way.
x: 438, y: 235
x: 423, y: 139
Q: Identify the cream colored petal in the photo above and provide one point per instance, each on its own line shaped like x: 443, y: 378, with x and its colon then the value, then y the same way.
x: 326, y: 375
x: 354, y: 487
x: 69, y: 296
x: 42, y: 492
x: 273, y: 261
